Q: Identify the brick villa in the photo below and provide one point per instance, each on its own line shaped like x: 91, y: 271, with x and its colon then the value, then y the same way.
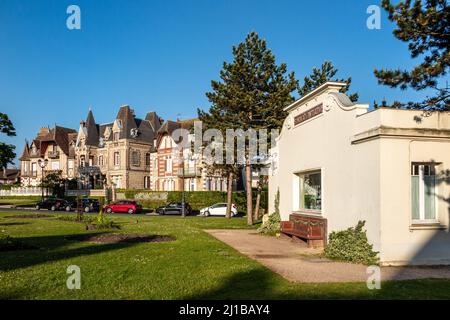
x: 128, y: 152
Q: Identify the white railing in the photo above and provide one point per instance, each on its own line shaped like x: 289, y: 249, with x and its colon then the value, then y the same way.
x: 23, y: 191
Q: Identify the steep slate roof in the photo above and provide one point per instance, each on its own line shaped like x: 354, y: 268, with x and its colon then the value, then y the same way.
x: 9, y: 174
x: 170, y: 126
x: 61, y: 137
x: 146, y: 127
x: 91, y: 129
x: 72, y: 138
x: 45, y: 136
x: 126, y: 116
x: 25, y: 153
x: 154, y: 120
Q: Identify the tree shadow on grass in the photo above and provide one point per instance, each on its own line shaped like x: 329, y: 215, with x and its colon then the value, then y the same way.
x: 254, y: 284
x: 13, y: 223
x: 263, y: 284
x: 51, y: 248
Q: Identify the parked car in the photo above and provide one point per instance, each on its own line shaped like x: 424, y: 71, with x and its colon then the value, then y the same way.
x: 218, y: 209
x: 128, y: 206
x: 174, y: 208
x: 90, y: 205
x: 54, y: 204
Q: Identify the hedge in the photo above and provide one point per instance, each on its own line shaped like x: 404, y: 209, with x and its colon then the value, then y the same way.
x: 196, y: 199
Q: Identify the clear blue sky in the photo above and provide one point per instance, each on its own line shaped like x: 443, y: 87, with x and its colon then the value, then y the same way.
x: 161, y: 55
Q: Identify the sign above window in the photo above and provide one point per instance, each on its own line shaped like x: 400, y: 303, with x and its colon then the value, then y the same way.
x: 311, y: 113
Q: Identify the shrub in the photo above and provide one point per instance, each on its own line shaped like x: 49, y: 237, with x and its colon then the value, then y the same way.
x: 351, y: 245
x: 197, y: 199
x: 91, y: 222
x: 271, y: 223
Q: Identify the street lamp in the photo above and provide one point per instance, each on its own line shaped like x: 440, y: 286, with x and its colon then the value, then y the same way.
x: 42, y: 164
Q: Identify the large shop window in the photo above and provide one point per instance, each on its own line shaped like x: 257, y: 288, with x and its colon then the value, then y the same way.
x: 423, y: 192
x: 310, y: 190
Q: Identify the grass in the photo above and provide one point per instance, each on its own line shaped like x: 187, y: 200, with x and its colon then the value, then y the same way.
x: 194, y: 266
x: 18, y: 202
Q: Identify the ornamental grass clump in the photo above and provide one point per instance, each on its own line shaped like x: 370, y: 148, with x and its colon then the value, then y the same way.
x: 271, y: 223
x: 351, y: 245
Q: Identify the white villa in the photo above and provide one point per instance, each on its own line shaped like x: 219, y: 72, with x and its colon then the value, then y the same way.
x: 339, y: 163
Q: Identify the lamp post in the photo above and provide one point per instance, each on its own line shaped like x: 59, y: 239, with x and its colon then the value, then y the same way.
x: 42, y: 164
x: 183, y: 213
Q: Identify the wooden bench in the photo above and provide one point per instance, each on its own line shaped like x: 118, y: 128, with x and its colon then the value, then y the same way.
x: 311, y: 229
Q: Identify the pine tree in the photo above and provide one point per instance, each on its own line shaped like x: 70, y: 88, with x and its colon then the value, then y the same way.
x: 318, y: 77
x: 7, y: 153
x: 425, y: 26
x: 251, y: 94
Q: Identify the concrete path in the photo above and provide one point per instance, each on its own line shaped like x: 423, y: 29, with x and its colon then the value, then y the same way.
x: 296, y: 262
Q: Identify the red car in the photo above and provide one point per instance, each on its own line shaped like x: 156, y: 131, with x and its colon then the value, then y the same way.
x: 123, y: 206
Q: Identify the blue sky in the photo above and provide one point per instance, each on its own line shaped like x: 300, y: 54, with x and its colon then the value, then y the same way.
x: 161, y: 55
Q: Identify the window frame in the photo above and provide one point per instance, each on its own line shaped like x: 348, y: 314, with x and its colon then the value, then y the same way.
x: 422, y: 209
x: 135, y: 158
x: 116, y: 163
x: 298, y: 191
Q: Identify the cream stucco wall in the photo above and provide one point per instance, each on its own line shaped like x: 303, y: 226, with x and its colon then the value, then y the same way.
x: 365, y: 158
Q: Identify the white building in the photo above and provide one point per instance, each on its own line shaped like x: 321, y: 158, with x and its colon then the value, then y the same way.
x: 338, y: 164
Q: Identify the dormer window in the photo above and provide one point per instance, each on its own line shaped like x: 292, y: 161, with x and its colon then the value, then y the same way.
x: 119, y: 124
x: 116, y: 136
x: 108, y: 133
x: 134, y: 133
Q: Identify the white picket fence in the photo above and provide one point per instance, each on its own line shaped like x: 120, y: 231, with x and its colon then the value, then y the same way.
x: 23, y: 191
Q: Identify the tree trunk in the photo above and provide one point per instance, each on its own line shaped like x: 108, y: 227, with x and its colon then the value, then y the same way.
x: 229, y: 194
x: 258, y: 200
x: 248, y: 182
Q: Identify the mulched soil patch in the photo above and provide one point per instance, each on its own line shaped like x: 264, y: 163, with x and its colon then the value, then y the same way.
x: 30, y: 216
x: 122, y: 238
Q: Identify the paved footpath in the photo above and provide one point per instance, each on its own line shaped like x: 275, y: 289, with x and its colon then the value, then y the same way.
x: 296, y: 262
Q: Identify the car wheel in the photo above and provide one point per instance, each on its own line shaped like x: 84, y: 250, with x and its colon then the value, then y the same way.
x: 109, y: 210
x: 68, y: 208
x: 207, y: 214
x: 53, y: 208
x: 38, y: 207
x: 130, y: 211
x: 86, y: 209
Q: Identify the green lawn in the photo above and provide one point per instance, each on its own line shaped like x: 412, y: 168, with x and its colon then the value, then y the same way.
x: 195, y: 266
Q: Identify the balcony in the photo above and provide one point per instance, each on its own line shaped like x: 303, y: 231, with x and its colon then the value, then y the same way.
x: 190, y: 172
x: 53, y: 154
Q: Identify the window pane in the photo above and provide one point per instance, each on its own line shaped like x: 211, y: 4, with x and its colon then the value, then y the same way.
x: 430, y: 212
x: 415, y: 197
x: 310, y: 191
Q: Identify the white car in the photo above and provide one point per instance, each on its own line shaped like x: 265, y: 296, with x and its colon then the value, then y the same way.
x: 218, y: 209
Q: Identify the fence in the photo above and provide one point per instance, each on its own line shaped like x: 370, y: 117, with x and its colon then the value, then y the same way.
x: 22, y: 191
